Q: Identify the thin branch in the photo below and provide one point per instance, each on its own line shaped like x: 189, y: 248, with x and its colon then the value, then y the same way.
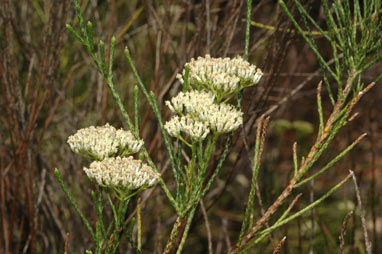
x: 204, y: 212
x: 368, y: 243
x: 343, y: 231
x: 66, y: 243
x: 278, y: 247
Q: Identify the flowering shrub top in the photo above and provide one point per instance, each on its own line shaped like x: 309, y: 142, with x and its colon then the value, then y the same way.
x: 211, y: 83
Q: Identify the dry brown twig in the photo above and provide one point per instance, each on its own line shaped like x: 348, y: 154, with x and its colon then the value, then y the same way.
x: 368, y: 243
x: 278, y: 248
x: 311, y: 158
x: 66, y: 243
x: 343, y: 231
x: 25, y: 102
x: 209, y: 236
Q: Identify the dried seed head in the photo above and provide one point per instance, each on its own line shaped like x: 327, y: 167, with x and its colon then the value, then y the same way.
x: 125, y: 173
x: 103, y: 141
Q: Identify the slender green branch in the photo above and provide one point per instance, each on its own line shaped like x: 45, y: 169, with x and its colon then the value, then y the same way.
x: 129, y: 234
x: 112, y: 207
x: 186, y: 230
x: 70, y: 28
x: 111, y: 57
x: 107, y: 74
x: 136, y: 109
x: 73, y: 203
x: 77, y: 7
x: 287, y: 211
x: 295, y: 159
x: 267, y: 231
x: 130, y: 124
x: 251, y: 197
x: 90, y: 36
x: 248, y: 29
x: 332, y: 162
x: 219, y: 166
x: 103, y: 57
x: 154, y: 106
x: 319, y: 106
x: 100, y: 228
x: 173, y: 235
x: 312, y: 46
x: 306, y: 14
x: 119, y: 102
x: 139, y: 225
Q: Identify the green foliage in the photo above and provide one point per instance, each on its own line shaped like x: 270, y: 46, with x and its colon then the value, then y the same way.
x: 190, y: 187
x: 354, y: 35
x: 355, y: 40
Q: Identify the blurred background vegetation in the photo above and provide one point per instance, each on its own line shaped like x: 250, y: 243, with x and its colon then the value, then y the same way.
x: 50, y: 88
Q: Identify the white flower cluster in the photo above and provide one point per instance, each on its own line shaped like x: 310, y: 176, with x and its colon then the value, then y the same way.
x: 107, y: 146
x: 195, y: 129
x: 222, y: 117
x: 190, y: 101
x: 224, y: 75
x: 201, y: 110
x: 199, y: 115
x: 125, y: 173
x: 104, y: 141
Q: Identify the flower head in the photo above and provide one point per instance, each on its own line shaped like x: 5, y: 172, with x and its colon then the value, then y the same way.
x: 221, y: 118
x: 190, y: 101
x: 103, y: 141
x: 122, y: 173
x: 199, y: 114
x: 223, y: 76
x: 195, y: 129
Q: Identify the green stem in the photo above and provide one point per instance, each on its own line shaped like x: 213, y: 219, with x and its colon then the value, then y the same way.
x: 145, y: 153
x: 100, y: 227
x: 153, y: 104
x: 311, y: 44
x: 267, y: 231
x: 173, y: 235
x: 109, y: 80
x: 139, y: 225
x: 136, y: 110
x: 256, y: 167
x: 248, y: 29
x: 193, y: 173
x: 331, y: 163
x: 119, y: 219
x: 219, y: 166
x: 73, y: 203
x: 186, y: 230
x: 112, y: 207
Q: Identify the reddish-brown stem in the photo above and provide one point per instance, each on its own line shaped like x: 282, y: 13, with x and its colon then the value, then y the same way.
x: 173, y: 235
x: 321, y: 138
